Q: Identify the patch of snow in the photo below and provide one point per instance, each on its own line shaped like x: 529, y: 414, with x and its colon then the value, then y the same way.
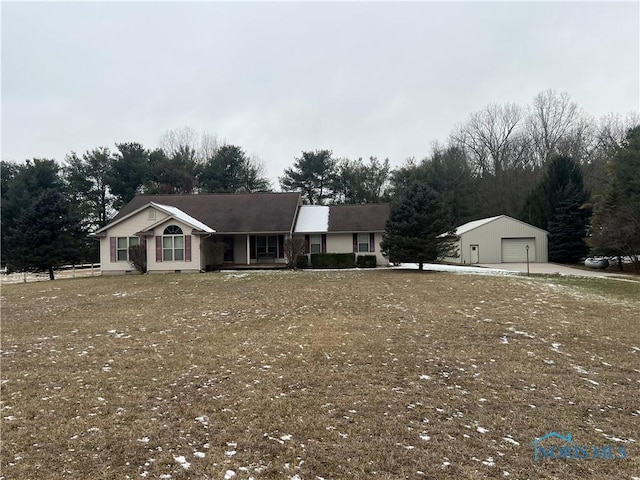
x: 580, y: 369
x: 229, y: 474
x: 436, y: 267
x: 617, y: 439
x: 489, y: 462
x: 511, y: 441
x: 199, y: 454
x: 182, y: 461
x: 425, y: 377
x: 481, y: 430
x: 590, y: 381
x: 520, y: 332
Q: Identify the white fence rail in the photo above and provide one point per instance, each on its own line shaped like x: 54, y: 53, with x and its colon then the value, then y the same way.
x: 65, y: 271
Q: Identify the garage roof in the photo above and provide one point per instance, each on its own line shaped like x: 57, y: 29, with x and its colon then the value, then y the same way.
x: 467, y: 227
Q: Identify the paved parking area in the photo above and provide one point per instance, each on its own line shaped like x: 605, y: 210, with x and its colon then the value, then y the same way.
x: 551, y: 269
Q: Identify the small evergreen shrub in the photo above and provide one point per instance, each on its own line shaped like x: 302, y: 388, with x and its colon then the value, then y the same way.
x: 366, y: 261
x: 302, y: 261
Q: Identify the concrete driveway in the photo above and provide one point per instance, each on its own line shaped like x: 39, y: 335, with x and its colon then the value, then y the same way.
x: 551, y: 269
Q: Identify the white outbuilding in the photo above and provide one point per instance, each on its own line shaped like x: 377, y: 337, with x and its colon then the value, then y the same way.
x: 500, y: 239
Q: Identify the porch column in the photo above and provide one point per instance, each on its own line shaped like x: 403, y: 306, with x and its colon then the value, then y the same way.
x: 248, y: 251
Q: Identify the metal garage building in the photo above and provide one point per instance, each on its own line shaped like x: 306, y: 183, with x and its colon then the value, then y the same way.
x: 500, y: 239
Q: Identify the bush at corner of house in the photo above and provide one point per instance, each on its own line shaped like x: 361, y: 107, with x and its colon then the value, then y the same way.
x: 138, y: 258
x: 302, y: 261
x: 366, y: 261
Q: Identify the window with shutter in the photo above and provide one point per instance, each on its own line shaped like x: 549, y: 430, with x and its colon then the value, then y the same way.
x: 173, y: 244
x: 315, y: 243
x: 363, y: 242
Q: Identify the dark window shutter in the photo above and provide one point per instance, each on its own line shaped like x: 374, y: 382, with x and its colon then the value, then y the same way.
x: 158, y: 249
x: 324, y: 243
x: 187, y: 248
x: 306, y: 244
x: 112, y: 248
x: 355, y: 242
x: 280, y: 246
x: 372, y: 242
x: 252, y: 247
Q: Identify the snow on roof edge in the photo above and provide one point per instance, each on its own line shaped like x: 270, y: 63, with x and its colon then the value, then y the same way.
x: 185, y: 217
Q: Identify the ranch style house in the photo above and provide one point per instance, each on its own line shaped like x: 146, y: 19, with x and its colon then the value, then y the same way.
x: 178, y: 231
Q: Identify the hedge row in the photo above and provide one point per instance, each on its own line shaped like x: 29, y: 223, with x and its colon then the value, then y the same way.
x: 342, y: 260
x: 366, y: 261
x: 333, y: 260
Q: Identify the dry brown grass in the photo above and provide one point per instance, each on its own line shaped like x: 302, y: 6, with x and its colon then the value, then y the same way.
x: 331, y: 375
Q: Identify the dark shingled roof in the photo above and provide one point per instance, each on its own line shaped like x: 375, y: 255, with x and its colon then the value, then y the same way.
x: 368, y: 217
x: 230, y: 213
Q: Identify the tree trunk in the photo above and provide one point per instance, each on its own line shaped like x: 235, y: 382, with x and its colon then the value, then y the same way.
x: 51, y: 275
x: 620, y: 263
x: 420, y: 266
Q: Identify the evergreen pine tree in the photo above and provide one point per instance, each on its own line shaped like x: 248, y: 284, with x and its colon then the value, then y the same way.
x: 416, y: 221
x: 567, y: 229
x: 615, y: 226
x: 558, y: 205
x: 46, y: 235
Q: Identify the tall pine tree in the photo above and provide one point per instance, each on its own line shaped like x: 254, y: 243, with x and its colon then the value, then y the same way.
x: 567, y: 229
x: 229, y: 170
x: 313, y: 175
x: 416, y: 222
x: 46, y: 235
x: 615, y: 226
x: 559, y: 205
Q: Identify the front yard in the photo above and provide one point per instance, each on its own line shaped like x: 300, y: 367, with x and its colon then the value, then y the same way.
x: 310, y: 375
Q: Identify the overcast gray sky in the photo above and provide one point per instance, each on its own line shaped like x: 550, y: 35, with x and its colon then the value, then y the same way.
x: 361, y: 79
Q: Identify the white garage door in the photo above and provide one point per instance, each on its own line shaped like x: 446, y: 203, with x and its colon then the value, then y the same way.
x: 514, y: 250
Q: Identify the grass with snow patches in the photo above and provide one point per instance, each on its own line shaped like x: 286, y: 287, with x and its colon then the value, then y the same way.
x: 308, y: 375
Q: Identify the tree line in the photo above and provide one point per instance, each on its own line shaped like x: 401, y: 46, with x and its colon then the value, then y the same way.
x: 548, y: 164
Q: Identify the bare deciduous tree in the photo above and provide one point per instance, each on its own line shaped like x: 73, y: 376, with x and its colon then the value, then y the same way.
x: 138, y: 258
x: 293, y: 249
x: 553, y: 117
x: 179, y: 140
x: 492, y: 139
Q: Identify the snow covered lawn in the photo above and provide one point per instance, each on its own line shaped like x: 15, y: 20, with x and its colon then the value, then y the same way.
x: 317, y: 374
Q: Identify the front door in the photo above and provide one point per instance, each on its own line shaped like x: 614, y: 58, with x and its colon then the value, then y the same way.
x: 475, y: 254
x: 228, y: 249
